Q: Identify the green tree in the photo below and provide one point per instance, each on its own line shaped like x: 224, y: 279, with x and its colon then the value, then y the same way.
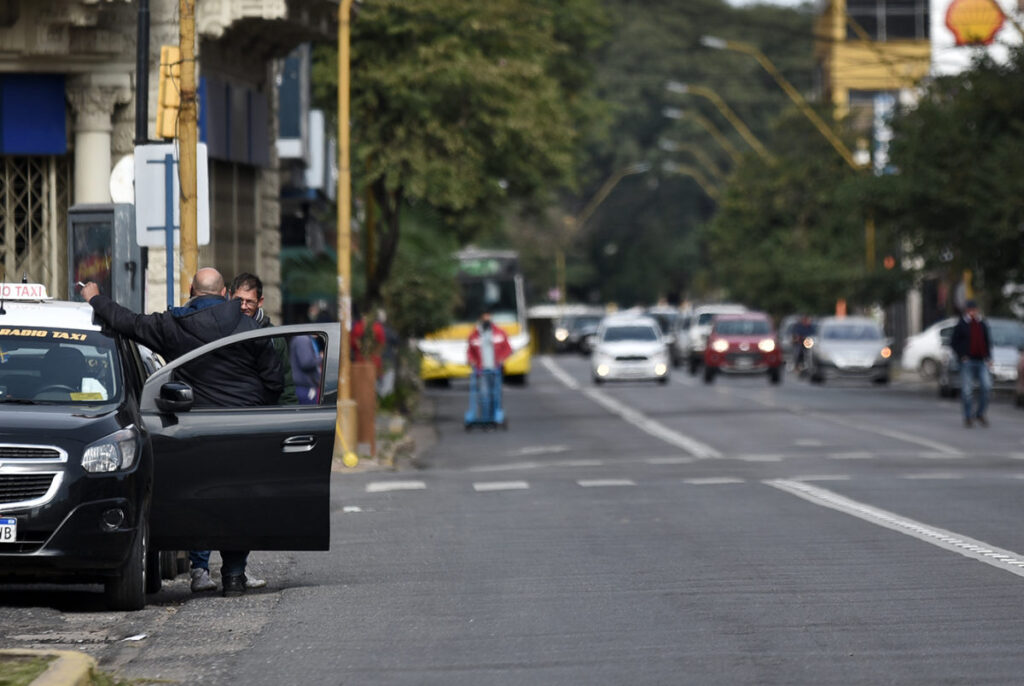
x: 460, y: 105
x: 958, y: 194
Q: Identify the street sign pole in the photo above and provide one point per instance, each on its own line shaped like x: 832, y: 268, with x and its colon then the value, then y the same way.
x: 168, y: 228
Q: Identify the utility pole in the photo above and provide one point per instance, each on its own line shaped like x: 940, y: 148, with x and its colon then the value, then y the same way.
x: 187, y: 143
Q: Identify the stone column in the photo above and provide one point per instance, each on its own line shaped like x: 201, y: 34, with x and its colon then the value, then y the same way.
x: 93, y: 98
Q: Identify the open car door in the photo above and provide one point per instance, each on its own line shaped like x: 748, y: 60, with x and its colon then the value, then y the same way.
x: 243, y: 478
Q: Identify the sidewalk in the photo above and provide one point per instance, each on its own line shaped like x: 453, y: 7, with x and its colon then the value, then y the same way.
x: 70, y: 668
x: 399, y: 441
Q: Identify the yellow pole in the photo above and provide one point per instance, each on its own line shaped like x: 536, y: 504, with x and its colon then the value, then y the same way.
x: 702, y: 157
x: 345, y: 426
x: 716, y: 133
x: 741, y: 128
x: 695, y: 174
x: 187, y: 146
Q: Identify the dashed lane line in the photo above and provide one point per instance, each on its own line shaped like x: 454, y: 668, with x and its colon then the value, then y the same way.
x: 922, y: 476
x: 482, y: 486
x: 604, y: 483
x: 637, y: 419
x: 1006, y: 560
x: 714, y: 481
x: 941, y: 448
x: 384, y: 486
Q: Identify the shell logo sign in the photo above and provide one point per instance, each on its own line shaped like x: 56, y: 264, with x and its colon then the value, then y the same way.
x: 974, y: 22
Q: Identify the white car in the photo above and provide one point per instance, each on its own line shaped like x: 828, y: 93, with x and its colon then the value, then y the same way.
x: 700, y: 328
x: 922, y: 352
x: 629, y: 348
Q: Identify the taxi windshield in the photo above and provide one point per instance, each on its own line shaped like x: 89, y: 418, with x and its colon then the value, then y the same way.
x: 57, y: 366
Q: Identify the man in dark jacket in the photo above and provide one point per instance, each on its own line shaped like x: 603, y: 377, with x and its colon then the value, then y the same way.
x: 246, y: 374
x: 972, y: 346
x: 248, y: 290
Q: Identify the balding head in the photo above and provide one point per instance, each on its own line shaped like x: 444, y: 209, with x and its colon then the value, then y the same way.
x: 208, y: 281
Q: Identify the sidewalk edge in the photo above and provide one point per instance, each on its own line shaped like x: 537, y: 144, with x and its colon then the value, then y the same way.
x: 69, y: 669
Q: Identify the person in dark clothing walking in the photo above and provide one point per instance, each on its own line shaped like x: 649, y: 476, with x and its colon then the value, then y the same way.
x: 972, y: 346
x: 247, y: 374
x: 248, y: 290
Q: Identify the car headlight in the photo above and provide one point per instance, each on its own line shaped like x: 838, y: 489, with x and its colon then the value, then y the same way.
x: 766, y: 345
x: 113, y: 452
x: 885, y: 353
x: 561, y: 334
x: 720, y: 345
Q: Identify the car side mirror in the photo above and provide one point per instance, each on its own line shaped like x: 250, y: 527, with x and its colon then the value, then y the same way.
x: 175, y: 397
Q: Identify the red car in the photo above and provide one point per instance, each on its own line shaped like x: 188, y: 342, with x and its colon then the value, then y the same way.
x: 743, y: 344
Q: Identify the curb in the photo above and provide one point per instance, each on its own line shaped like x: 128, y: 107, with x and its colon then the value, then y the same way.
x: 69, y: 669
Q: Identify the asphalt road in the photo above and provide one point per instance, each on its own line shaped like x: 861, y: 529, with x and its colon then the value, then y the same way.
x: 739, y: 533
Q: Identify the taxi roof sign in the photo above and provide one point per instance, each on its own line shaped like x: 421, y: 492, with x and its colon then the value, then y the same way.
x: 23, y: 291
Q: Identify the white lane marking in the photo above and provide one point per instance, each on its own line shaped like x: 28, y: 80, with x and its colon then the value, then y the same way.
x: 510, y: 466
x: 351, y: 509
x: 600, y: 483
x: 888, y: 433
x: 538, y: 450
x: 853, y: 455
x: 808, y: 443
x: 383, y: 486
x: 714, y: 481
x: 940, y: 456
x: 481, y: 486
x: 760, y: 458
x: 822, y: 477
x: 999, y: 558
x: 933, y: 475
x: 669, y: 460
x: 577, y: 463
x: 560, y: 374
x: 637, y: 419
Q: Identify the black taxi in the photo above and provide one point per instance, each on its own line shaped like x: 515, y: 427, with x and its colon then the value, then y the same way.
x: 104, y: 461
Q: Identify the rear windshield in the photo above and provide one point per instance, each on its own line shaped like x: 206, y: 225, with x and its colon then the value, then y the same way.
x: 630, y: 333
x: 851, y: 332
x: 743, y: 327
x: 58, y: 366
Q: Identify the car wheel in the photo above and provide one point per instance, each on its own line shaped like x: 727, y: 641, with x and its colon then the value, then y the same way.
x: 598, y: 380
x: 709, y: 374
x: 928, y: 369
x: 127, y: 590
x: 945, y: 391
x: 816, y: 376
x: 775, y: 375
x: 663, y: 380
x: 881, y: 380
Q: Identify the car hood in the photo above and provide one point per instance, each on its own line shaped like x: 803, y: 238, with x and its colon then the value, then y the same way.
x: 55, y: 424
x: 858, y: 348
x: 630, y: 348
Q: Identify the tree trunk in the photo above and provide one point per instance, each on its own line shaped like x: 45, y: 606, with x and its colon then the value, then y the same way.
x: 390, y: 207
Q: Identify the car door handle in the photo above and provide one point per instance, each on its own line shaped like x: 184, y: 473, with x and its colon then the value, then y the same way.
x: 298, y: 444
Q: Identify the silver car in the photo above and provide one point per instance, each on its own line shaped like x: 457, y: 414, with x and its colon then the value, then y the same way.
x: 1006, y: 337
x: 849, y: 347
x: 629, y: 348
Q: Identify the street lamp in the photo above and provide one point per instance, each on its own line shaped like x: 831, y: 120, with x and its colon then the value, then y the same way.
x: 574, y: 224
x: 727, y: 112
x: 705, y: 159
x: 708, y: 125
x: 794, y: 95
x: 693, y: 173
x: 716, y: 43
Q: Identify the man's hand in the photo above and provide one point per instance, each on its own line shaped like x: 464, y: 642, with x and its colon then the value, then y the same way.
x: 89, y: 290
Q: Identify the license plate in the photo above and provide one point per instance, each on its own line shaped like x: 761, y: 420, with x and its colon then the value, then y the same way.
x: 8, y: 530
x: 744, y: 363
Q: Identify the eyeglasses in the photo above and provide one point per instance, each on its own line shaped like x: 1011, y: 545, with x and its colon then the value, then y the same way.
x: 249, y: 303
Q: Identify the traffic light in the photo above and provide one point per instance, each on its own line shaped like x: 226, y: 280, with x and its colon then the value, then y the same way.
x: 168, y: 92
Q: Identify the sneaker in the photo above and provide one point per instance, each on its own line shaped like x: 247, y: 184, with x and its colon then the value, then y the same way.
x: 234, y: 585
x: 252, y: 582
x: 201, y: 580
x: 981, y: 420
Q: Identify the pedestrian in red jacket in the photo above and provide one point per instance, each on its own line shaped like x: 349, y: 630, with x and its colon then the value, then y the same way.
x: 488, y: 345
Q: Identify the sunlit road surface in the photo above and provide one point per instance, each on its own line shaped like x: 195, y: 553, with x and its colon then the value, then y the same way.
x: 738, y: 533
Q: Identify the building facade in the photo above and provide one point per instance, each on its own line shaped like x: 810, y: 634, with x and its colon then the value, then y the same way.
x: 67, y: 116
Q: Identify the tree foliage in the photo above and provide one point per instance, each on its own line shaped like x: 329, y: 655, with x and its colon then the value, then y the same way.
x: 958, y: 194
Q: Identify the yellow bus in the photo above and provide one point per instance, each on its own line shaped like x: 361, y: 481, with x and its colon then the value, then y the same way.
x: 488, y: 280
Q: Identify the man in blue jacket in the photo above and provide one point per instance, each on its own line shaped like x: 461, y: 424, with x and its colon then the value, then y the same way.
x: 972, y: 346
x: 248, y: 374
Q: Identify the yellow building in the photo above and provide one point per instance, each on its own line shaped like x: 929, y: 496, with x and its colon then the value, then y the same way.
x: 870, y: 48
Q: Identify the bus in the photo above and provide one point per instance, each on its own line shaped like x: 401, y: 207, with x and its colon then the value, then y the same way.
x: 488, y: 280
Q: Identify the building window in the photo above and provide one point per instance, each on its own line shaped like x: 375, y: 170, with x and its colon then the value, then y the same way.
x: 886, y: 20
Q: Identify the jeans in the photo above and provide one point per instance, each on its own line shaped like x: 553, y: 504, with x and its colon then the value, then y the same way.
x: 233, y: 561
x: 974, y: 371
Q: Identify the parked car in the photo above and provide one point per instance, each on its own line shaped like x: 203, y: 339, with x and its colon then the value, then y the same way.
x: 849, y: 347
x: 700, y: 327
x: 922, y: 352
x: 90, y: 417
x: 1007, y: 338
x: 670, y: 321
x: 571, y: 332
x: 629, y: 348
x: 743, y: 344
